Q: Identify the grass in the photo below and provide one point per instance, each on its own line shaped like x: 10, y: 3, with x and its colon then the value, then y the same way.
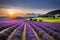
x: 49, y: 19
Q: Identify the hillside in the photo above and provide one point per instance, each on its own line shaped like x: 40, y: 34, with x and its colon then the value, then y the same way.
x: 56, y: 12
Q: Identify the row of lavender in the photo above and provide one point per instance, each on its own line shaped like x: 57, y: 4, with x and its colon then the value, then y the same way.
x: 17, y: 35
x: 45, y: 30
x: 7, y: 27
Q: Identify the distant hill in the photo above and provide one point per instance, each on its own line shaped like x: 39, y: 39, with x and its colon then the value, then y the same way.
x: 52, y: 13
x: 31, y: 15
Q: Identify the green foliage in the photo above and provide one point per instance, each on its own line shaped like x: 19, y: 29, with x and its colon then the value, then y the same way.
x: 17, y: 36
x: 47, y: 39
x: 3, y: 37
x: 30, y: 19
x: 41, y: 34
x: 51, y: 33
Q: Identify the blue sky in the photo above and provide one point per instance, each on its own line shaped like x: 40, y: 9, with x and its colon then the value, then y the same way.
x: 47, y: 5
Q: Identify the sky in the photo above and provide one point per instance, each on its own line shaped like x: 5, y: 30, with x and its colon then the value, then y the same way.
x: 29, y: 6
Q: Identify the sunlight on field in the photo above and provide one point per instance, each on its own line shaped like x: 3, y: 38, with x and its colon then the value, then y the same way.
x: 11, y: 14
x: 47, y: 19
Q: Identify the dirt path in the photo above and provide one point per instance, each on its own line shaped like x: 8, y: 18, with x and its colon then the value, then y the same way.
x: 10, y: 36
x: 3, y: 30
x: 24, y: 33
x: 35, y: 34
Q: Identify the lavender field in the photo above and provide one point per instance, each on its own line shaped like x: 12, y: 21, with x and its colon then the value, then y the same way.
x: 29, y: 30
